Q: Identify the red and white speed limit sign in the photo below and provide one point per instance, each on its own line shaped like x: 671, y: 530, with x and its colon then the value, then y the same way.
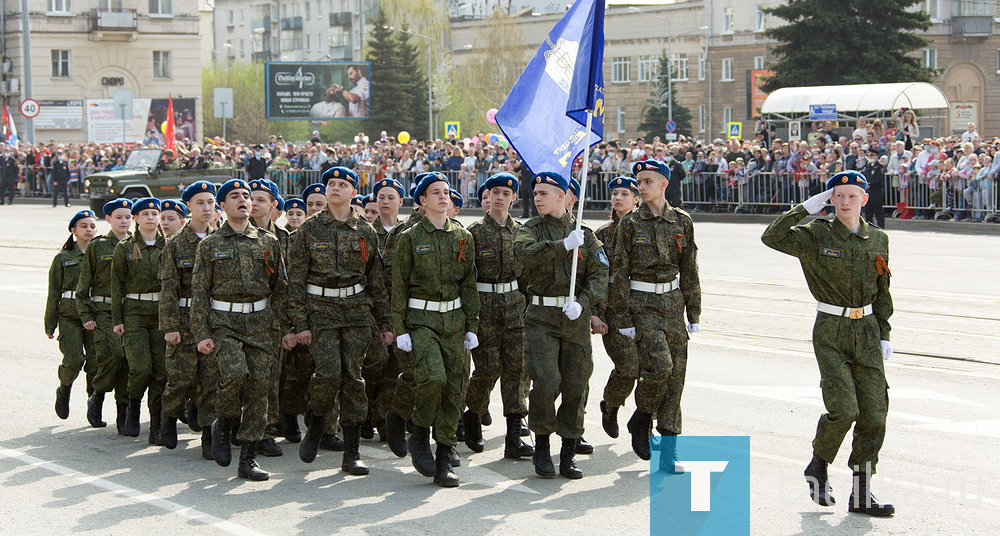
x: 30, y: 108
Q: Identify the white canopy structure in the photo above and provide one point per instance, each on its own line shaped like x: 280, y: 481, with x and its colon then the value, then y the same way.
x: 852, y: 100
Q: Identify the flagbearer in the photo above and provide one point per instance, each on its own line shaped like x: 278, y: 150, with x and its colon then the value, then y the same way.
x: 846, y: 264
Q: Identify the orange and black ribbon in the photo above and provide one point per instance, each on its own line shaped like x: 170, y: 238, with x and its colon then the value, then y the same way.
x: 881, y: 266
x: 677, y: 240
x: 461, y: 250
x: 267, y: 263
x: 364, y: 249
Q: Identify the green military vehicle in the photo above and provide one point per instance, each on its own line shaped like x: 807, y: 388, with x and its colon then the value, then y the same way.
x: 143, y: 176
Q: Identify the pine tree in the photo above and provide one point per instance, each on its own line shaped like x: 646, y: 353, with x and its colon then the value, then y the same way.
x: 654, y: 121
x: 847, y: 42
x: 387, y: 79
x: 414, y: 85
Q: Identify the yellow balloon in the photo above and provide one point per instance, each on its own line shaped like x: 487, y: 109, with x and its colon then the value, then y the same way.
x: 403, y: 137
x: 163, y: 127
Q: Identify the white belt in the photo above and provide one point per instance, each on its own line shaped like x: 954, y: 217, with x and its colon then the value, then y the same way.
x: 849, y: 312
x: 546, y: 301
x: 334, y: 292
x: 440, y: 307
x: 146, y: 296
x: 497, y: 288
x: 655, y: 288
x: 244, y: 308
x: 100, y: 299
x: 69, y: 294
x: 184, y: 302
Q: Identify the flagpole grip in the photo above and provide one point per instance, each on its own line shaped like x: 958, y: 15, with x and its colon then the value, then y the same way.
x: 584, y: 164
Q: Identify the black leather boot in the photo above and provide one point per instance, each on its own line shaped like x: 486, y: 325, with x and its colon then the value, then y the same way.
x: 206, y: 443
x: 154, y: 426
x: 248, y: 467
x: 332, y: 442
x: 456, y: 460
x: 366, y: 431
x: 221, y: 432
x: 234, y: 427
x: 524, y: 428
x: 168, y: 431
x: 352, y: 463
x: 640, y: 426
x: 609, y: 420
x: 486, y: 418
x: 473, y: 431
x: 192, y: 416
x: 289, y: 426
x: 419, y: 445
x: 62, y: 401
x: 819, y: 484
x: 309, y: 446
x: 121, y: 416
x: 132, y: 417
x: 542, y: 458
x: 567, y: 465
x: 444, y: 476
x: 269, y: 447
x: 95, y: 406
x: 513, y: 446
x: 583, y: 446
x: 395, y: 429
x: 863, y: 501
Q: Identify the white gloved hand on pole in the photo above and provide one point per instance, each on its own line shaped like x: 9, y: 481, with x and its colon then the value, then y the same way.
x: 574, y: 240
x: 572, y: 310
x: 404, y: 343
x: 816, y: 203
x: 471, y: 341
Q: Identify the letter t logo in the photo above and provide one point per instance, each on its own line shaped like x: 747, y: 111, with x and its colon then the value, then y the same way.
x: 701, y: 481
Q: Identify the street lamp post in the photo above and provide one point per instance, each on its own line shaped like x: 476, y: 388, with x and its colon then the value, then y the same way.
x: 430, y: 95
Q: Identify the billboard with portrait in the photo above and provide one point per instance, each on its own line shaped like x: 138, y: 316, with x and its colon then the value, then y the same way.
x: 317, y: 91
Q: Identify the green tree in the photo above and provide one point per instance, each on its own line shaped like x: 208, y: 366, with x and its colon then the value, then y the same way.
x: 388, y: 80
x: 847, y: 42
x: 413, y: 96
x: 654, y: 121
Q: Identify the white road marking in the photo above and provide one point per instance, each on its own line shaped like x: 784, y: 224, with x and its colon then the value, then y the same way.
x: 987, y: 428
x: 135, y: 495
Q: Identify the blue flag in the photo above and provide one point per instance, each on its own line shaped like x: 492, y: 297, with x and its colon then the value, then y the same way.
x: 544, y: 117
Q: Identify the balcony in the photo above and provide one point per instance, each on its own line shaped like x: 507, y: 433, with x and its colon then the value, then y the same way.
x: 108, y: 25
x: 261, y: 25
x: 291, y: 23
x: 971, y: 27
x: 343, y: 18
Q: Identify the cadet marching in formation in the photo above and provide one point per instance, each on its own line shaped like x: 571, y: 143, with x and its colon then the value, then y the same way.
x: 362, y: 322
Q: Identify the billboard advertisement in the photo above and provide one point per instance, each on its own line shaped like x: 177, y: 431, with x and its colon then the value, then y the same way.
x: 148, y: 122
x: 317, y: 91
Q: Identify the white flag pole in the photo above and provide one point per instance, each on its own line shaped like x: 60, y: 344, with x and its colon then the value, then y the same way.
x: 584, y: 164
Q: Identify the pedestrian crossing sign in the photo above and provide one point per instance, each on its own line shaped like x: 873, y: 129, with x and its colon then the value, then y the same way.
x: 735, y: 130
x: 452, y: 129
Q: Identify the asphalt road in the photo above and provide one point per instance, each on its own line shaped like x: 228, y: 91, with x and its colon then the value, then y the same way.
x: 751, y: 372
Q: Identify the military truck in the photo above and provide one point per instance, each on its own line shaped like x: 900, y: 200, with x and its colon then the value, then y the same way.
x: 143, y: 176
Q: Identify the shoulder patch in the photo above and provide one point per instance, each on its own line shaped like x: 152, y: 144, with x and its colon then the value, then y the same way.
x: 73, y: 262
x: 641, y: 240
x: 319, y: 245
x: 487, y: 253
x: 185, y: 263
x: 106, y: 258
x: 602, y: 257
x: 830, y: 252
x: 424, y: 248
x: 222, y: 255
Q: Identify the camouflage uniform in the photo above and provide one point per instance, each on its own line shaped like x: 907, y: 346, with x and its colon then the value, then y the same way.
x: 435, y: 265
x: 621, y: 349
x: 653, y: 249
x: 189, y: 374
x: 75, y: 343
x: 500, y: 354
x: 844, y: 269
x: 399, y: 373
x: 111, y: 368
x: 271, y: 431
x: 558, y: 358
x: 241, y: 268
x: 376, y: 363
x: 134, y: 269
x: 334, y: 254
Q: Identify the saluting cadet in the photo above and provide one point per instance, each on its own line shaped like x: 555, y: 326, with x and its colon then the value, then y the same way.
x: 337, y: 300
x: 238, y: 305
x: 135, y: 295
x: 558, y: 357
x: 75, y: 343
x: 621, y: 349
x: 172, y: 215
x: 295, y: 213
x: 500, y: 354
x: 846, y: 264
x: 315, y: 197
x: 93, y: 301
x: 653, y: 282
x: 189, y: 375
x: 435, y: 315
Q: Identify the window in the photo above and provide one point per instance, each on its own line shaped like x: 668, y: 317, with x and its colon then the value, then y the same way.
x: 998, y: 60
x: 621, y: 119
x: 243, y: 19
x: 648, y: 65
x: 758, y: 62
x: 110, y: 5
x: 701, y: 118
x: 679, y: 68
x: 308, y: 40
x: 727, y: 116
x: 309, y: 10
x: 930, y: 58
x: 230, y: 18
x: 60, y: 6
x: 701, y: 67
x: 161, y: 7
x: 161, y: 64
x: 727, y: 20
x: 727, y: 70
x: 242, y: 50
x: 60, y: 64
x: 759, y: 20
x: 933, y: 8
x: 620, y: 68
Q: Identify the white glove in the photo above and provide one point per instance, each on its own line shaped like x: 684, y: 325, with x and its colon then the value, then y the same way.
x: 628, y: 332
x: 816, y: 203
x: 572, y: 309
x: 693, y: 328
x: 471, y: 341
x: 886, y: 350
x: 404, y: 343
x: 574, y: 240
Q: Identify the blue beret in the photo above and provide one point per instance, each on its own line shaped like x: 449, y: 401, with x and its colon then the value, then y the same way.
x: 624, y: 182
x: 79, y: 216
x: 482, y: 190
x: 365, y: 199
x: 388, y: 183
x: 341, y: 173
x: 550, y: 178
x: 506, y: 180
x: 197, y: 188
x: 651, y: 165
x: 295, y: 202
x: 314, y: 189
x: 145, y: 203
x: 281, y: 202
x: 112, y: 206
x: 358, y: 201
x: 264, y: 185
x: 230, y: 185
x: 845, y: 178
x: 175, y: 205
x: 457, y: 198
x: 427, y: 180
x: 574, y: 186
